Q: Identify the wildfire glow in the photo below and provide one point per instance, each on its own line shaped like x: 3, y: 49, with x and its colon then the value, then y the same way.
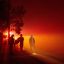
x: 44, y: 42
x: 16, y: 36
x: 11, y: 33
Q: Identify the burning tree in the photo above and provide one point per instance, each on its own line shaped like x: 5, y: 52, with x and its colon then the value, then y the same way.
x: 11, y: 15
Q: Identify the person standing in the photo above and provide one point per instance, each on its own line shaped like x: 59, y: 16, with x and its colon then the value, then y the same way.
x: 11, y: 43
x: 21, y: 40
x: 32, y: 43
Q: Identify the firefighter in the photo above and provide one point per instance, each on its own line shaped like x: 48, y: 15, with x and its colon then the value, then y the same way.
x: 11, y: 43
x: 32, y: 43
x: 21, y: 40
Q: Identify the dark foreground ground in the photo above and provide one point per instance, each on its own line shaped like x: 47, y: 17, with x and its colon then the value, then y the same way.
x: 23, y: 57
x: 20, y: 58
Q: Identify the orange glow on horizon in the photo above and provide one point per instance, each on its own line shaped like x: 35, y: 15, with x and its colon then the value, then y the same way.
x: 11, y: 33
x: 43, y: 42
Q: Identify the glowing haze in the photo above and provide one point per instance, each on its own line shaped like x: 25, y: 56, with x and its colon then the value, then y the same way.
x: 45, y: 20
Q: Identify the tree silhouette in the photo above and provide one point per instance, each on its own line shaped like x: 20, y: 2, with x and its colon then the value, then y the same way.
x: 3, y: 14
x: 11, y: 15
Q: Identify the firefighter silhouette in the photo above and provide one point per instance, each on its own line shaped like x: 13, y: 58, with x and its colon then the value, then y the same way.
x: 11, y: 43
x: 32, y: 43
x: 21, y: 40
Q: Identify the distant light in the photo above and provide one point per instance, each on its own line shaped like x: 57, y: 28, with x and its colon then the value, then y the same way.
x: 34, y: 53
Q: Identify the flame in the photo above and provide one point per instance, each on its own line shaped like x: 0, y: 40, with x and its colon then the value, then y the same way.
x: 16, y: 36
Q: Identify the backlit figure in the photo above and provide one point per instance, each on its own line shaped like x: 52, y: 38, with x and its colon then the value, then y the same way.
x: 11, y: 43
x: 21, y: 40
x: 32, y: 43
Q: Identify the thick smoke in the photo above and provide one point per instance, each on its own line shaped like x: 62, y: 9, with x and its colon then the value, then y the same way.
x: 11, y: 13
